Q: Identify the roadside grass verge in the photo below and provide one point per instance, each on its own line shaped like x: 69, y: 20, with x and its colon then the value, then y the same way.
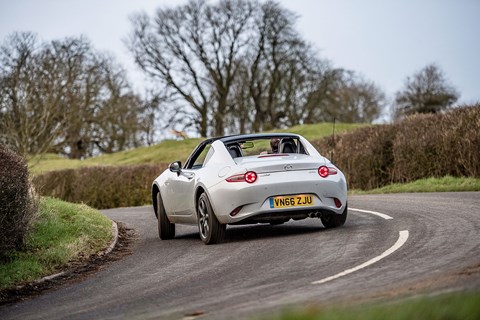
x: 461, y: 306
x: 445, y: 184
x: 63, y: 232
x: 166, y: 151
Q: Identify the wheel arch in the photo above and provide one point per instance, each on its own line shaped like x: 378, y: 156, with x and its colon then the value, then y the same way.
x: 155, y: 191
x: 203, y: 189
x: 200, y: 189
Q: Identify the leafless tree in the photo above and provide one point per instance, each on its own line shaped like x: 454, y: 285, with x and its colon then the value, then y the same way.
x: 427, y: 91
x: 118, y: 114
x: 64, y: 97
x: 81, y: 72
x: 276, y: 75
x: 242, y: 66
x: 345, y: 96
x: 30, y: 112
x: 273, y: 58
x: 193, y: 50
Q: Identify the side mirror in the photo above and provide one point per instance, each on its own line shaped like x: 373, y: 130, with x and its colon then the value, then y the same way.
x: 175, y: 167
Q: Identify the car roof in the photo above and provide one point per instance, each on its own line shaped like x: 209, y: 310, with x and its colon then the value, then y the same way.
x: 254, y: 136
x: 246, y: 137
x: 240, y: 138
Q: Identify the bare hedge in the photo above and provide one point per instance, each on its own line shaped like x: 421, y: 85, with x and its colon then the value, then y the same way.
x: 438, y: 145
x: 419, y: 147
x: 18, y: 203
x: 103, y: 186
x: 364, y: 156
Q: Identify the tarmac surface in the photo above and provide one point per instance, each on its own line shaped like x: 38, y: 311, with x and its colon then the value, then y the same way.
x: 391, y: 246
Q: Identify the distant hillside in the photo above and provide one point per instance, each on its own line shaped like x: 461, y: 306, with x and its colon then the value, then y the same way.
x: 168, y: 150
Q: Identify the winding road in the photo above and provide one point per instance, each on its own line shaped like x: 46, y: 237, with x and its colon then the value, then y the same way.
x: 391, y: 245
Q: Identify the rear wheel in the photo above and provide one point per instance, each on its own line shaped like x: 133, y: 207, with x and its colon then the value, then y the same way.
x: 211, y: 231
x: 166, y: 229
x: 335, y: 220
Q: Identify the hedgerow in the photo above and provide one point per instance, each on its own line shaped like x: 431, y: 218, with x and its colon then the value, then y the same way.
x: 18, y: 203
x: 420, y: 146
x: 103, y: 186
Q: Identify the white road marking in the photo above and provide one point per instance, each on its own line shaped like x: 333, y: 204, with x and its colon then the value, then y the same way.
x: 402, y: 238
x: 381, y: 215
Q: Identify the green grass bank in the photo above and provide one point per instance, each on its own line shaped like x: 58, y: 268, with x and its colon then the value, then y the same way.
x: 453, y: 306
x: 62, y: 233
x: 444, y: 184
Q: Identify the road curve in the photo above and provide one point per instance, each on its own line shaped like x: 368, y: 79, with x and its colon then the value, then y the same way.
x: 261, y: 268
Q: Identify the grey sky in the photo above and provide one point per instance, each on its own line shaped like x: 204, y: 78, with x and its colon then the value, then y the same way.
x: 386, y: 41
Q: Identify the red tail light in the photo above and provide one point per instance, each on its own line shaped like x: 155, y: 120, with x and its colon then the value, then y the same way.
x: 249, y: 177
x: 236, y: 211
x: 338, y: 203
x: 236, y: 178
x: 325, y: 171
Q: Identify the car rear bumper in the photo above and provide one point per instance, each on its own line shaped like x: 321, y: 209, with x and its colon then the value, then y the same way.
x: 254, y: 199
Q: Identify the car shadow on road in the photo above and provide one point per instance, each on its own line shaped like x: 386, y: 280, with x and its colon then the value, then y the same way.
x: 240, y: 233
x: 249, y: 232
x: 262, y: 231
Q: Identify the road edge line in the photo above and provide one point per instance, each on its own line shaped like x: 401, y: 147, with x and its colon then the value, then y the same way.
x: 402, y: 238
x: 378, y: 214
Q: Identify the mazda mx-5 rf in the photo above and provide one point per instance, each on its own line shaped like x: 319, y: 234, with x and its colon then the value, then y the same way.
x: 244, y: 179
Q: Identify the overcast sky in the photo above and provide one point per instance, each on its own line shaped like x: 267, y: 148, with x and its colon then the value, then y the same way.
x: 385, y: 41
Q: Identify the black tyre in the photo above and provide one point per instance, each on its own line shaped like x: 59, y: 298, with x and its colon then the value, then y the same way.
x: 166, y: 229
x: 335, y: 220
x: 211, y: 231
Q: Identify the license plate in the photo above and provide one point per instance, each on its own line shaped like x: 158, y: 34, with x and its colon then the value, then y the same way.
x: 300, y: 200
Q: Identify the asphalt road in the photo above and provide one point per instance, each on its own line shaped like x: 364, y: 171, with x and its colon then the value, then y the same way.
x: 261, y: 268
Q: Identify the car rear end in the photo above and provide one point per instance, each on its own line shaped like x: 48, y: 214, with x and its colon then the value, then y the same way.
x: 277, y: 187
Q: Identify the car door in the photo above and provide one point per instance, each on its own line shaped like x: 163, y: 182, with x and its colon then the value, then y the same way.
x: 186, y: 182
x: 184, y: 192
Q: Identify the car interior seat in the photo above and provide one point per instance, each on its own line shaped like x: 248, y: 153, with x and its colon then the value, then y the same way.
x: 287, y: 145
x: 235, y: 151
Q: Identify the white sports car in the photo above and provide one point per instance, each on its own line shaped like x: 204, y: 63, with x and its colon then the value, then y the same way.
x: 243, y: 179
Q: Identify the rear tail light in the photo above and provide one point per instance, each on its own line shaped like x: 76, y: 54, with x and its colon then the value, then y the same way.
x: 325, y: 171
x: 236, y: 211
x: 236, y: 178
x: 249, y: 177
x: 338, y: 203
